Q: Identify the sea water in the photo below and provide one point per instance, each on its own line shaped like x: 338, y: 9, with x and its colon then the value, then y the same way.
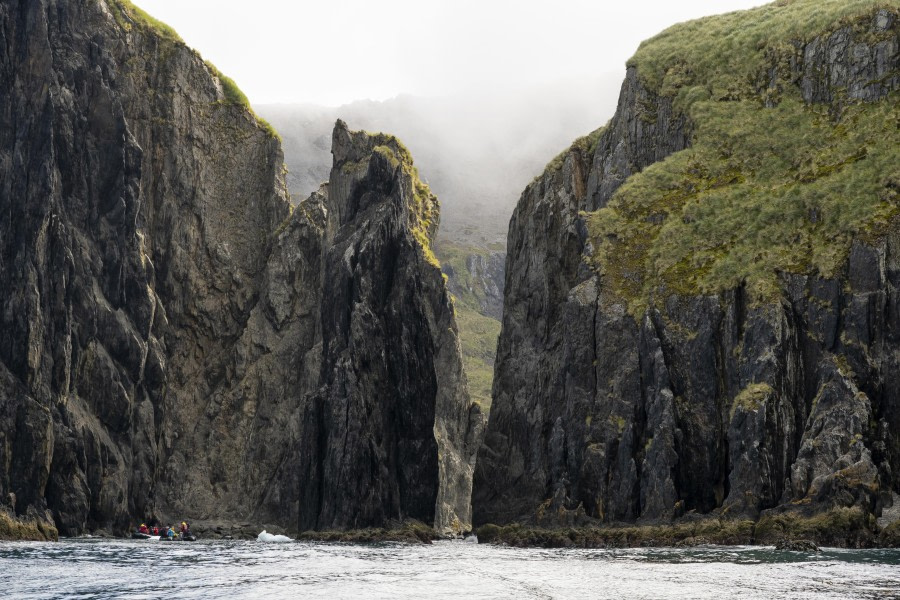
x: 102, y: 568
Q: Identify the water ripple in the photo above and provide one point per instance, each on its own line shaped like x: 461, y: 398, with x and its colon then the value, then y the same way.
x: 112, y: 569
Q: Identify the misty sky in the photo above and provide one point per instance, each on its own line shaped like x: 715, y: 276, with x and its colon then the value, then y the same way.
x: 336, y: 51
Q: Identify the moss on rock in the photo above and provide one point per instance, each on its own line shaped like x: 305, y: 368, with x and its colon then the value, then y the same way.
x: 767, y: 187
x: 846, y: 527
x: 843, y: 527
x: 752, y: 397
x: 29, y: 529
x: 129, y: 16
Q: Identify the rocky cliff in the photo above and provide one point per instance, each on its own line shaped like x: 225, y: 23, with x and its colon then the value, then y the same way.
x: 166, y: 319
x: 701, y: 310
x: 392, y: 433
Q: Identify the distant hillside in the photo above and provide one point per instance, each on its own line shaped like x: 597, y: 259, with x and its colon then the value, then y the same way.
x: 477, y: 152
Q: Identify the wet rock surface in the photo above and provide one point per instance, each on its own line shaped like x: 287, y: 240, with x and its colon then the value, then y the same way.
x: 797, y: 546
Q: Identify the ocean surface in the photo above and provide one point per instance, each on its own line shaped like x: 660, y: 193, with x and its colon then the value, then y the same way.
x: 95, y: 568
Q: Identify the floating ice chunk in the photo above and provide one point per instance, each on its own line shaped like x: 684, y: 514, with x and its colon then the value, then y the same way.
x: 268, y: 537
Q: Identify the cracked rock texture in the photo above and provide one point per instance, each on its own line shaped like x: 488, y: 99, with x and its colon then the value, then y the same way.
x: 712, y: 404
x: 168, y: 328
x: 392, y: 433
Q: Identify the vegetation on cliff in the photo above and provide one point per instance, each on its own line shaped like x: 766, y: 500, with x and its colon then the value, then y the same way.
x: 478, y: 332
x: 726, y: 53
x: 25, y: 528
x: 586, y: 144
x: 422, y: 204
x: 771, y: 183
x: 128, y: 16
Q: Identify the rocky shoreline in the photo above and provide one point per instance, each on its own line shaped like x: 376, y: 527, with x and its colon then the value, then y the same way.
x: 701, y: 321
x: 26, y: 529
x: 840, y: 528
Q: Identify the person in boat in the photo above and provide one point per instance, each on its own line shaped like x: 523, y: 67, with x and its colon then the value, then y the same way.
x: 143, y: 529
x: 184, y: 528
x: 171, y: 533
x: 156, y: 530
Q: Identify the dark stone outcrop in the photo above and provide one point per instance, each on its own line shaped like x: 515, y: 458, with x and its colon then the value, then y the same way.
x: 797, y: 546
x: 706, y: 404
x: 138, y: 206
x: 392, y: 434
x: 163, y: 312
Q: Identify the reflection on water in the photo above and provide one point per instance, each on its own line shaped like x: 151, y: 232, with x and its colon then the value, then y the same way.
x: 233, y: 569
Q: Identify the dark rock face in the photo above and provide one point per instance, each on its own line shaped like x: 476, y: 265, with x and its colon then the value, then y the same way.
x: 797, y: 546
x: 392, y: 433
x: 707, y: 403
x: 163, y: 313
x: 138, y: 207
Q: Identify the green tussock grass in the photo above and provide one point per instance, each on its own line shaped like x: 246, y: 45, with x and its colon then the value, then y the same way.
x: 842, y: 527
x: 726, y: 53
x: 424, y: 211
x: 128, y: 16
x: 586, y: 145
x: 423, y: 208
x: 762, y: 190
x: 890, y: 536
x: 455, y: 256
x: 389, y: 142
x: 839, y: 527
x: 422, y: 204
x: 752, y: 397
x: 707, y: 531
x: 409, y: 532
x: 388, y: 155
x: 234, y: 96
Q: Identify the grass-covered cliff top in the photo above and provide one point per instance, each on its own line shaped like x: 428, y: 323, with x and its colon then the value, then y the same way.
x: 769, y: 184
x: 586, y: 145
x: 721, y: 52
x: 423, y: 209
x: 128, y: 16
x: 422, y: 204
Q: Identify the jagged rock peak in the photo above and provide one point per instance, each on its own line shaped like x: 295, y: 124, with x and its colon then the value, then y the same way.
x: 386, y: 167
x: 392, y: 379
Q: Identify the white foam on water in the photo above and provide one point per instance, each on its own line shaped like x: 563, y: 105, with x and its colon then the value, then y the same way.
x: 268, y: 537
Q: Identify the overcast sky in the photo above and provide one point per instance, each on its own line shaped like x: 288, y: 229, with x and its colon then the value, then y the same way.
x: 336, y: 51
